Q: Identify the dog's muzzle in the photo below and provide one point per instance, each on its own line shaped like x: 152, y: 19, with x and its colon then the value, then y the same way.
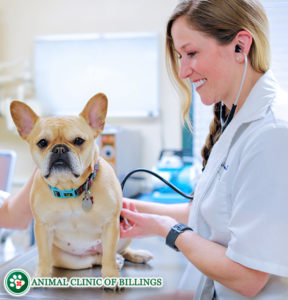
x: 59, y: 159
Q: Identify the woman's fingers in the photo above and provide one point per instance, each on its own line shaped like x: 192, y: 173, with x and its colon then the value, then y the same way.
x: 124, y: 234
x: 131, y: 216
x: 124, y: 227
x: 133, y: 207
x: 130, y: 229
x: 129, y: 205
x: 124, y: 204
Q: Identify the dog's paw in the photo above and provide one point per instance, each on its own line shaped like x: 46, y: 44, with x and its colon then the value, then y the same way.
x: 142, y: 256
x: 119, y: 261
x: 114, y: 289
x: 138, y: 256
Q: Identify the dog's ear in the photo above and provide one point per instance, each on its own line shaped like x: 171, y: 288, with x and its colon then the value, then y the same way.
x: 95, y: 112
x: 24, y: 118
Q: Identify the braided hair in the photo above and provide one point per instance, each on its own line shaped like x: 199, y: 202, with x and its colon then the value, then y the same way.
x: 214, y: 132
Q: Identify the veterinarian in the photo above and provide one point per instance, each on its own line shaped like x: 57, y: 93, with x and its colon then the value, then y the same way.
x: 235, y: 241
x: 15, y: 212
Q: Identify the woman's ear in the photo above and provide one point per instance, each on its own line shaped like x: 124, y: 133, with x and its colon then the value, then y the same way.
x: 244, y: 40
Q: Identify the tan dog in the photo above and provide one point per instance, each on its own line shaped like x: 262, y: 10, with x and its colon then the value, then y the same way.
x: 75, y: 231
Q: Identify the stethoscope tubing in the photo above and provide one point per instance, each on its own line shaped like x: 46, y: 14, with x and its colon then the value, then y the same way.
x: 224, y: 123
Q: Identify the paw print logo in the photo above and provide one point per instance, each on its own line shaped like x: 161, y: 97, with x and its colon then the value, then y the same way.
x: 17, y: 282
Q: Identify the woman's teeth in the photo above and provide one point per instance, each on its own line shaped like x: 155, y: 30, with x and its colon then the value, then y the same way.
x: 199, y: 83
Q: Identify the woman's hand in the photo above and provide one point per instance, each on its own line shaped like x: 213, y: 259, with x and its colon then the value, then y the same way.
x: 137, y: 224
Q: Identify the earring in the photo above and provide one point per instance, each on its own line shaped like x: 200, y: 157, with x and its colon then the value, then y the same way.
x: 238, y: 58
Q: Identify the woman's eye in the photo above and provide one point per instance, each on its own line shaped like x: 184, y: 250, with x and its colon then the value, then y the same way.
x: 191, y: 53
x: 78, y: 141
x: 42, y: 144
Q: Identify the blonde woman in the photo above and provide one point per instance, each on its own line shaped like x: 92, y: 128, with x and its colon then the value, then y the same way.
x: 235, y: 233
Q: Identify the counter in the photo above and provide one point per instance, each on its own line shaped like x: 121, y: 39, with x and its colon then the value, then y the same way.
x: 167, y: 264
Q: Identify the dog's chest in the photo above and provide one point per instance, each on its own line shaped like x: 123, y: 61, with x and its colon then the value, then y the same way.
x: 72, y: 220
x: 67, y: 215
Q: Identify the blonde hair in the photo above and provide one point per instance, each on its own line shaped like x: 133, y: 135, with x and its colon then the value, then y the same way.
x: 222, y: 20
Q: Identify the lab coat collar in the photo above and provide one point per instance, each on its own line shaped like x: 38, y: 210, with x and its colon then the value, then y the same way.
x: 254, y: 108
x: 257, y: 102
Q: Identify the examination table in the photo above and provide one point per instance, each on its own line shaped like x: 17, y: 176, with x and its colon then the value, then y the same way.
x: 167, y: 264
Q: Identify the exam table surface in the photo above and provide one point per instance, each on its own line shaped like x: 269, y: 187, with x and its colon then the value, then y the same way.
x: 167, y: 264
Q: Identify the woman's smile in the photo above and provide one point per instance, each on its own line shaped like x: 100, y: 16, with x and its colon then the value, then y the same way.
x: 197, y: 84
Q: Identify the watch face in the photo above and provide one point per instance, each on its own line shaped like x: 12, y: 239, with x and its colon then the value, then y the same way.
x: 179, y: 227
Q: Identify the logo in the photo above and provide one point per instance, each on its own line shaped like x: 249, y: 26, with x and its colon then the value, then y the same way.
x: 225, y: 167
x: 17, y: 282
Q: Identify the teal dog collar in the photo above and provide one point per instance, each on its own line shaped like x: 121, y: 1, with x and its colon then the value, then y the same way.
x: 75, y: 192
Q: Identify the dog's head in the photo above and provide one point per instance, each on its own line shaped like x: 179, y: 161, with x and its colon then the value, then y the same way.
x: 62, y: 147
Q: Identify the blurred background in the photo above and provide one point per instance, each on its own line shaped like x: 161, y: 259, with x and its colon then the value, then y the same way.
x: 56, y: 54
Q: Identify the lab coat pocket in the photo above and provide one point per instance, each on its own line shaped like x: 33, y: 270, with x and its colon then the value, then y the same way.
x: 216, y: 213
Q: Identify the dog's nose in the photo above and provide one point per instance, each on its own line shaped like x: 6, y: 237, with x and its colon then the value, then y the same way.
x: 60, y: 149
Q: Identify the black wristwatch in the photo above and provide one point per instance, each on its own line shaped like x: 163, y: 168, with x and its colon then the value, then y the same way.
x: 173, y: 234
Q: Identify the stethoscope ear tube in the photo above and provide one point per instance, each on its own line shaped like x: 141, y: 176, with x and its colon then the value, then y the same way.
x: 229, y: 118
x: 224, y: 123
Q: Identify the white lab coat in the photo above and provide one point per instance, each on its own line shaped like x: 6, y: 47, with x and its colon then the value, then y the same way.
x: 241, y: 200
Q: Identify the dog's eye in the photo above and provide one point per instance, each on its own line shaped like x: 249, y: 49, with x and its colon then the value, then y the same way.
x: 42, y: 143
x: 78, y: 141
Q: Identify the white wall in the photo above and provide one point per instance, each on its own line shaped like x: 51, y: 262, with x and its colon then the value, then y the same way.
x: 21, y: 21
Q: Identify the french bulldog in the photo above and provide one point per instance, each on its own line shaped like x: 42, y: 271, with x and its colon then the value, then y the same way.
x: 76, y: 197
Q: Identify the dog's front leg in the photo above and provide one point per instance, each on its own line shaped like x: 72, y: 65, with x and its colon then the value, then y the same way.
x: 110, y: 236
x: 44, y: 239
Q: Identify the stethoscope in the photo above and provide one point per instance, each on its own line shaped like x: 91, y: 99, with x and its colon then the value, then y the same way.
x: 224, y: 123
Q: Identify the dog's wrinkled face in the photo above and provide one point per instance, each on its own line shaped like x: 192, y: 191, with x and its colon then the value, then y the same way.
x: 62, y: 147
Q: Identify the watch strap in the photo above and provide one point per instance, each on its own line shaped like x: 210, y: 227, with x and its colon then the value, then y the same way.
x: 174, y: 233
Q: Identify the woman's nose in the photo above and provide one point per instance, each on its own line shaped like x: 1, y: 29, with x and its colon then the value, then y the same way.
x: 185, y: 69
